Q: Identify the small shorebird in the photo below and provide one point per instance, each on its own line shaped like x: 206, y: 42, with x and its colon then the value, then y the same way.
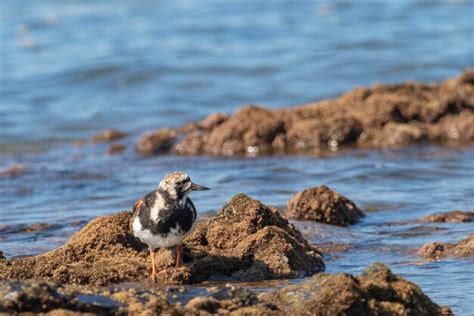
x: 165, y: 216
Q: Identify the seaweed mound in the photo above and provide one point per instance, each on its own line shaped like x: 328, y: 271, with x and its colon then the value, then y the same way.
x: 377, y: 291
x: 321, y: 204
x: 44, y: 297
x: 102, y: 252
x: 377, y: 117
x: 439, y: 250
x: 249, y: 130
x: 455, y: 216
x: 156, y: 142
x: 250, y: 241
x: 245, y: 241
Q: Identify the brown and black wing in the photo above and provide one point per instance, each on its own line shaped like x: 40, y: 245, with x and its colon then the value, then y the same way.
x: 142, y: 210
x: 137, y: 207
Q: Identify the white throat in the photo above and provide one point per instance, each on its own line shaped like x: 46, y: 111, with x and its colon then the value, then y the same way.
x: 182, y: 202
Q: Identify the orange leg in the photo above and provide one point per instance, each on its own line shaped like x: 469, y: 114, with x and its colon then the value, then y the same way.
x: 178, y: 255
x: 153, y: 276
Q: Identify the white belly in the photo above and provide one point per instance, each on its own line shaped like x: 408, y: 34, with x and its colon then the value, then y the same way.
x: 173, y: 238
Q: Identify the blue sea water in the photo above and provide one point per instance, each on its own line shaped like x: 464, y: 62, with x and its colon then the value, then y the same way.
x: 71, y: 68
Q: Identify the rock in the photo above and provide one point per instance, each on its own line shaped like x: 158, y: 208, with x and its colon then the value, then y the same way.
x: 156, y: 142
x: 2, y: 256
x: 312, y: 135
x: 250, y: 130
x: 36, y: 227
x: 393, y: 135
x: 108, y: 135
x: 377, y: 117
x: 250, y: 241
x: 89, y: 257
x: 115, y: 149
x: 245, y: 241
x: 439, y: 250
x: 417, y: 231
x: 213, y: 120
x: 467, y: 76
x: 332, y: 247
x: 454, y: 128
x: 455, y: 216
x: 377, y: 291
x: 40, y: 297
x: 54, y: 298
x: 230, y: 299
x: 321, y: 204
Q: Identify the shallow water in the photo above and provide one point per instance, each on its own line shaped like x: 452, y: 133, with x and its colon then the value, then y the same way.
x: 68, y: 186
x: 71, y: 69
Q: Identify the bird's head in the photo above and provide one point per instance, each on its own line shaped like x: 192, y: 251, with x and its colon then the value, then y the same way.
x: 178, y: 185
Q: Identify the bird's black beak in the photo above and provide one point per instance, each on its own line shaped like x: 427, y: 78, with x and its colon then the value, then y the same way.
x: 197, y: 187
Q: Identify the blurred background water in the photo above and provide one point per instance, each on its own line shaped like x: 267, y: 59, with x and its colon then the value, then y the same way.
x: 69, y: 69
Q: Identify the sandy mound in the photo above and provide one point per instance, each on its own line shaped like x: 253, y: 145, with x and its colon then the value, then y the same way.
x: 438, y: 250
x: 381, y: 116
x: 321, y: 204
x: 246, y: 241
x: 375, y: 292
x: 451, y: 217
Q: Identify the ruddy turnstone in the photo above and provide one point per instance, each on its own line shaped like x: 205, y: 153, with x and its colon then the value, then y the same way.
x: 165, y: 216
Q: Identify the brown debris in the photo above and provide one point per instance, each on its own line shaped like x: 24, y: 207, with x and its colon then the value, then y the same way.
x: 108, y: 135
x: 380, y: 116
x: 332, y: 247
x: 36, y: 227
x: 321, y: 204
x: 245, y: 241
x: 455, y: 216
x: 377, y: 291
x: 439, y: 250
x: 13, y: 171
x: 156, y: 142
x: 115, y: 149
